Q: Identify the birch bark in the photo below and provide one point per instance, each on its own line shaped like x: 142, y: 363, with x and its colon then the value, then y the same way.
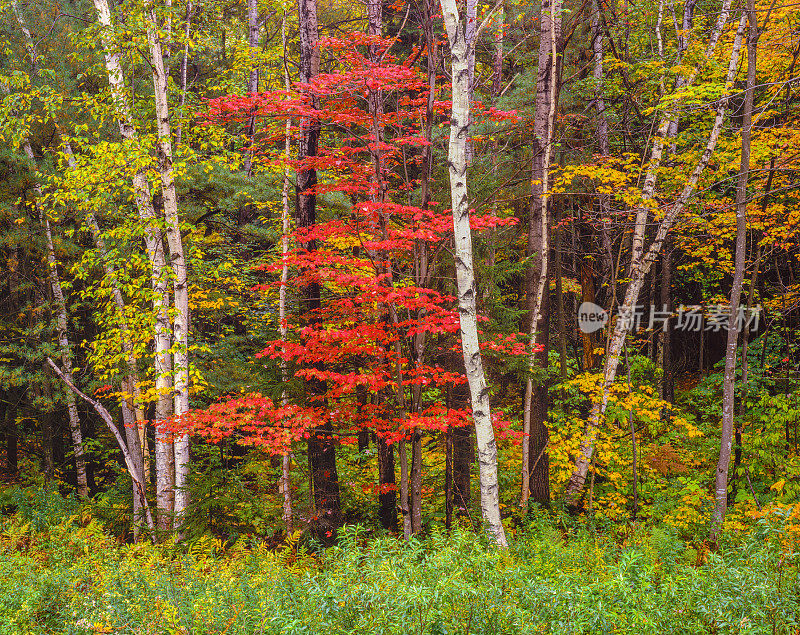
x: 164, y: 453
x: 109, y: 421
x: 617, y: 339
x: 465, y: 277
x: 661, y: 138
x: 64, y: 347
x: 252, y: 82
x: 180, y: 286
x: 131, y: 406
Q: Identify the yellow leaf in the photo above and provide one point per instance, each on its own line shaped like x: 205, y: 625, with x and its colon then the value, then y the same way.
x: 778, y: 487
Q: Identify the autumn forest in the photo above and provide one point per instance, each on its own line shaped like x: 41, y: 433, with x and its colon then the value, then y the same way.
x: 399, y: 316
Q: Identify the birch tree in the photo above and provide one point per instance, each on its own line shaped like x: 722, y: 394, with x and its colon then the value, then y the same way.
x: 164, y: 451
x: 465, y: 275
x: 180, y: 324
x: 645, y: 260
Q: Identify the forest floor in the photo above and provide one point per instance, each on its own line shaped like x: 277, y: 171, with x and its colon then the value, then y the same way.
x: 67, y: 575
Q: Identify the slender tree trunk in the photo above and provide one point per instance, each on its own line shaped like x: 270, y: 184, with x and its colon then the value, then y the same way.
x: 463, y: 454
x: 448, y: 479
x: 729, y: 377
x: 739, y: 428
x: 634, y: 449
x: 252, y: 83
x: 538, y: 274
x: 164, y: 453
x: 286, y: 485
x: 187, y: 31
x: 666, y: 124
x: 617, y: 339
x: 134, y: 447
x: 465, y: 277
x: 405, y: 509
x: 668, y: 381
x: 560, y: 317
x: 603, y: 144
x: 587, y: 295
x: 64, y: 346
x: 109, y: 421
x: 471, y: 34
x: 387, y: 493
x: 416, y: 481
x: 321, y: 448
x: 497, y: 58
x: 65, y: 349
x: 599, y: 102
x: 538, y: 455
x: 133, y: 399
x: 180, y: 286
x: 684, y: 37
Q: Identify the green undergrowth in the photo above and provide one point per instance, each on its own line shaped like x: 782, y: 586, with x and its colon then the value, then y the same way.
x: 61, y: 572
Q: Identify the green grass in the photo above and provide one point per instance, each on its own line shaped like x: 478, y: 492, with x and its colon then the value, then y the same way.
x: 69, y: 577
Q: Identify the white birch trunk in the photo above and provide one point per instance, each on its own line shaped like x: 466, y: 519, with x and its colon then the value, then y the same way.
x: 252, y: 82
x: 180, y: 325
x: 617, y: 340
x: 64, y: 347
x: 666, y: 127
x: 131, y: 409
x: 109, y: 421
x: 164, y: 453
x: 465, y: 279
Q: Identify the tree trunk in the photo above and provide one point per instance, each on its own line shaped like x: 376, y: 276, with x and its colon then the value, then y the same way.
x: 65, y: 349
x: 617, y: 339
x: 321, y: 448
x: 405, y: 508
x: 668, y: 381
x: 462, y: 469
x: 729, y: 377
x: 538, y: 455
x: 448, y: 479
x: 187, y: 31
x: 134, y: 448
x: 666, y: 125
x: 252, y: 82
x: 465, y: 277
x: 132, y: 379
x: 155, y: 251
x: 180, y: 285
x: 603, y: 145
x: 416, y: 481
x: 387, y: 492
x: 538, y: 274
x: 109, y: 421
x: 286, y: 485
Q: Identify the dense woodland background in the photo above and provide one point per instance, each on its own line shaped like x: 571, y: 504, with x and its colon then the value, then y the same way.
x: 230, y: 301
